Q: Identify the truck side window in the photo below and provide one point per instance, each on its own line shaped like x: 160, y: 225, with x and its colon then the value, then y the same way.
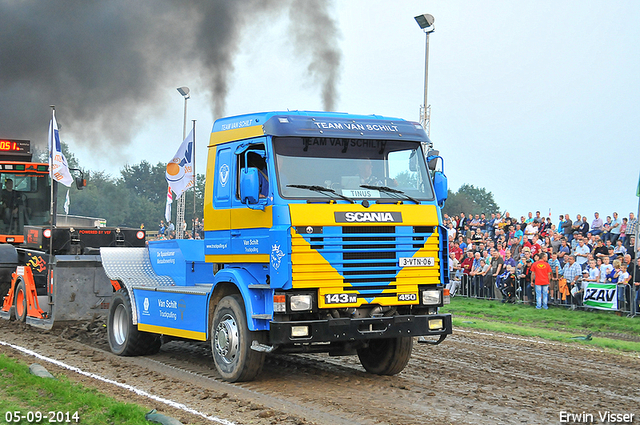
x: 255, y: 160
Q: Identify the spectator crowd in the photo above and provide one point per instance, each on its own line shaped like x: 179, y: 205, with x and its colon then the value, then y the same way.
x: 501, y: 257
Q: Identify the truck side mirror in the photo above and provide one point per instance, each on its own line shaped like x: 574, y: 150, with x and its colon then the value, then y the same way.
x: 440, y: 186
x: 432, y: 159
x: 249, y: 186
x: 80, y: 183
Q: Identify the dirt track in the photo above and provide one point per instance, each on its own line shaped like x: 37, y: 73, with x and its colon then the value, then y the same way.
x: 470, y: 378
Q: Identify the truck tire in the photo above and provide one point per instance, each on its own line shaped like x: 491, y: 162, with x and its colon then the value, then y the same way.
x: 386, y: 356
x: 231, y: 342
x: 20, y: 301
x: 124, y: 337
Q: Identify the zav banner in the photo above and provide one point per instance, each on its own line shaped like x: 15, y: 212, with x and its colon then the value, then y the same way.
x: 601, y: 295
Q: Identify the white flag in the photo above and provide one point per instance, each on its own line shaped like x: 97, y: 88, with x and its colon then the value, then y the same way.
x: 179, y: 171
x: 58, y: 168
x: 67, y: 203
x: 167, y: 208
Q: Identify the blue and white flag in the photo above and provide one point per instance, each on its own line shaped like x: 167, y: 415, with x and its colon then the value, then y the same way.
x: 179, y: 171
x: 58, y: 168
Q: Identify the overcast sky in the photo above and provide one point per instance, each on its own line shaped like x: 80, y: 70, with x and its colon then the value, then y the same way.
x: 538, y: 102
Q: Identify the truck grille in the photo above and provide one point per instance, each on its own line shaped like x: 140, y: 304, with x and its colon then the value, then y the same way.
x: 366, y: 257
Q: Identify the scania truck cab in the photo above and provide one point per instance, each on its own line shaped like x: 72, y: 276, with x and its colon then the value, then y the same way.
x: 322, y: 234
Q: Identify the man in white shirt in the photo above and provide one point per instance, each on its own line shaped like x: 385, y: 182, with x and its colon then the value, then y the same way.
x: 581, y: 252
x: 530, y: 230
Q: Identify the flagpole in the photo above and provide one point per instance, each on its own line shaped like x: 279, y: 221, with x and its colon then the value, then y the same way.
x: 194, y: 179
x: 635, y: 249
x: 53, y: 204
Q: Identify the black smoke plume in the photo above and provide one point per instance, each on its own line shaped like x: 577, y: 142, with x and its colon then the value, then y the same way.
x: 107, y: 64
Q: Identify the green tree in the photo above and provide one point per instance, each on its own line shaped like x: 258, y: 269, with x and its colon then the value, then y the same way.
x: 146, y: 186
x: 470, y: 199
x: 101, y: 198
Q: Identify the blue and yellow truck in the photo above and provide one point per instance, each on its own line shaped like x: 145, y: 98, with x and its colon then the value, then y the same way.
x: 322, y: 233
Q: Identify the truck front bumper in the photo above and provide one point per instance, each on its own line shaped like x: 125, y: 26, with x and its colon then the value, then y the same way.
x: 346, y: 329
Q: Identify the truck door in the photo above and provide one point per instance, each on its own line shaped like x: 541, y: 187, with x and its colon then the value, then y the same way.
x: 219, y: 235
x: 249, y: 226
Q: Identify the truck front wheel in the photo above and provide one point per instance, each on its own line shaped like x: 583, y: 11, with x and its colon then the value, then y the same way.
x: 124, y: 337
x: 386, y: 356
x: 231, y: 342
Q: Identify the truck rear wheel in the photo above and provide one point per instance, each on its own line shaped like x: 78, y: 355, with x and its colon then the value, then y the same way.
x: 20, y: 300
x: 231, y: 342
x: 124, y: 337
x: 386, y: 356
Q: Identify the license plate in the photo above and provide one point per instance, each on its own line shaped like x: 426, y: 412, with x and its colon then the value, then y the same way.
x: 407, y: 297
x: 340, y: 298
x: 417, y: 261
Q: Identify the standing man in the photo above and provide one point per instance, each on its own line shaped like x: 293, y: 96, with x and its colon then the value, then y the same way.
x: 475, y: 275
x: 584, y: 227
x: 616, y: 226
x: 635, y: 276
x: 555, y: 272
x: 563, y: 251
x: 632, y: 225
x: 571, y: 273
x: 497, y: 264
x: 454, y: 274
x: 567, y: 229
x: 540, y: 279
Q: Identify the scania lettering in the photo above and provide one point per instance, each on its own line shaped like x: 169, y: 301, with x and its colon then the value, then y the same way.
x: 368, y: 217
x: 322, y: 234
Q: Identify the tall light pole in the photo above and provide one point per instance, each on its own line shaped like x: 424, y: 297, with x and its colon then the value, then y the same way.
x: 184, y: 91
x: 426, y: 23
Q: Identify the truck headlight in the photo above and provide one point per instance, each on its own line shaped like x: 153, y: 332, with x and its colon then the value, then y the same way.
x: 300, y: 302
x: 431, y: 297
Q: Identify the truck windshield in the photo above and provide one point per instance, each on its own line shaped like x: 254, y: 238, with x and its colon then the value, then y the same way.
x: 25, y: 201
x: 346, y: 165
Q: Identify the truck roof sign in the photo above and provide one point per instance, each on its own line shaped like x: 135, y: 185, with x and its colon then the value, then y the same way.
x: 369, y: 128
x: 315, y: 124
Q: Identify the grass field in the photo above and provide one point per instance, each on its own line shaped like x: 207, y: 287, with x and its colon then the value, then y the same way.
x: 558, y: 323
x: 39, y: 400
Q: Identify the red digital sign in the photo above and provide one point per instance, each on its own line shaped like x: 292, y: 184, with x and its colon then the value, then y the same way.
x: 8, y: 145
x: 15, y: 147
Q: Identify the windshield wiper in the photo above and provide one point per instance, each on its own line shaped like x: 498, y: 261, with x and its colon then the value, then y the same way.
x: 320, y: 189
x: 390, y: 190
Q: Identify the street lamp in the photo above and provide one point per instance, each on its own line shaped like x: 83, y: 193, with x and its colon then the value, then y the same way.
x: 184, y: 91
x: 426, y: 22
